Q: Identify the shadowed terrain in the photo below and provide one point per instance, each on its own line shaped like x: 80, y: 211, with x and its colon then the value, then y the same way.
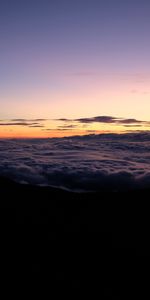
x: 74, y: 239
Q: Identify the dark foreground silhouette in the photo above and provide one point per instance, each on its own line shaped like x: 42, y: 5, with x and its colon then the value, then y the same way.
x: 95, y: 241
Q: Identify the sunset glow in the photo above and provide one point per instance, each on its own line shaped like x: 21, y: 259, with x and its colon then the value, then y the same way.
x: 73, y: 60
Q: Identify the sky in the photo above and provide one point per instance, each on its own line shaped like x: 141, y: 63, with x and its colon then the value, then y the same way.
x: 71, y: 60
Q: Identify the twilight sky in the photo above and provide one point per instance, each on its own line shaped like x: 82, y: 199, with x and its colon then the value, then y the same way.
x: 73, y: 59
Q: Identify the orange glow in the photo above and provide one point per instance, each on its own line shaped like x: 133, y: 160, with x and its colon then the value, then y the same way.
x: 57, y: 129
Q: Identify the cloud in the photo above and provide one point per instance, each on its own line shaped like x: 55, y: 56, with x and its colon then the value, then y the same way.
x: 36, y: 126
x: 40, y: 120
x: 28, y: 120
x: 71, y: 126
x: 20, y: 124
x: 99, y: 119
x: 106, y: 120
x: 91, y: 131
x: 73, y: 123
x: 110, y: 120
x: 130, y: 121
x: 91, y: 162
x: 135, y: 125
x: 15, y: 124
x: 23, y: 122
x: 18, y: 120
x: 63, y: 120
x: 64, y: 129
x: 47, y: 129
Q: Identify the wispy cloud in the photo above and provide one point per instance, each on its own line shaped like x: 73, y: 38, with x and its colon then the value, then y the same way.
x: 130, y: 121
x: 64, y: 129
x: 36, y: 126
x: 18, y: 124
x: 67, y: 126
x: 49, y: 129
x: 18, y: 120
x: 135, y: 125
x: 63, y: 120
x: 23, y: 122
x: 27, y: 120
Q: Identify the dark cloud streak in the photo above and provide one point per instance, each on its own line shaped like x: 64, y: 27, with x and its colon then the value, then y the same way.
x: 17, y: 124
x: 106, y: 120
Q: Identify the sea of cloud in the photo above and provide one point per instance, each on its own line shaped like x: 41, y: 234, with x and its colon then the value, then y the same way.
x: 87, y: 163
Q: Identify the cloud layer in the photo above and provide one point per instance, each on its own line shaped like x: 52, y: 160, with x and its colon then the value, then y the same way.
x: 92, y: 162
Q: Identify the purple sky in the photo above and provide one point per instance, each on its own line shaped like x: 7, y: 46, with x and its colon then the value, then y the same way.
x: 78, y: 58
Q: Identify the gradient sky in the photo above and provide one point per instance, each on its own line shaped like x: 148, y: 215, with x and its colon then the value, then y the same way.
x: 73, y: 59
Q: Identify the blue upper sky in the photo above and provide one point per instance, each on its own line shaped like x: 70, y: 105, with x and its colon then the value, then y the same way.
x: 76, y: 28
